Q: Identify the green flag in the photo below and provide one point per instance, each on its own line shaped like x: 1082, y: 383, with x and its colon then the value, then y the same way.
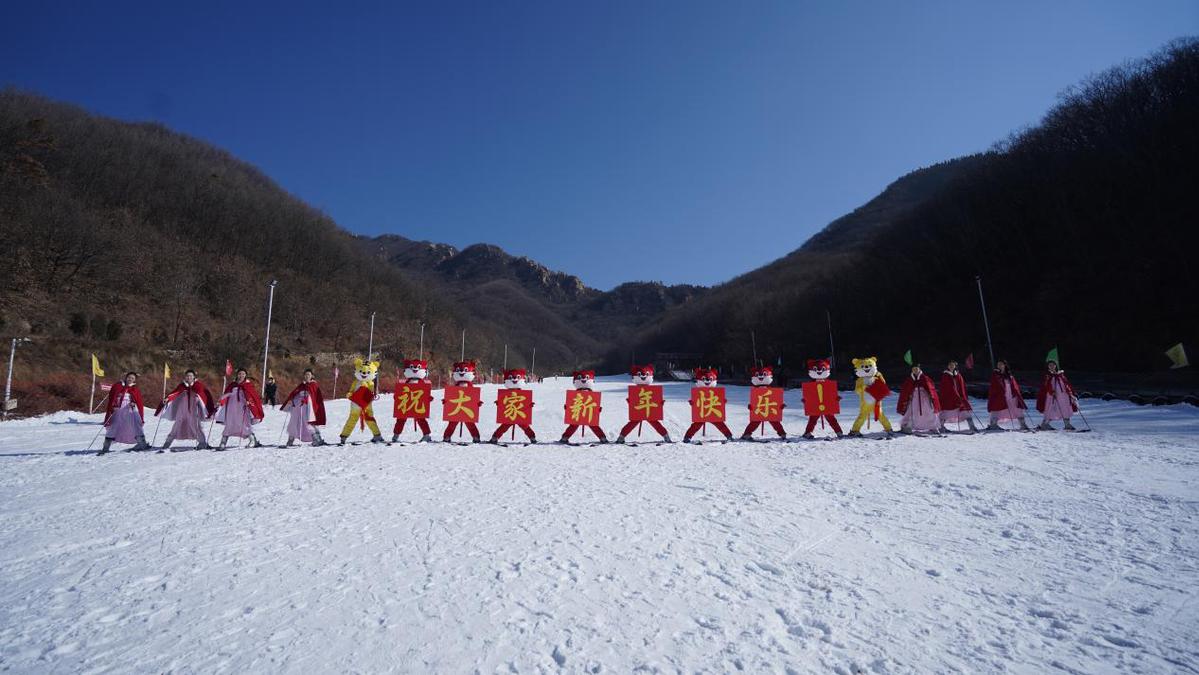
x: 907, y: 357
x: 1178, y: 355
x: 1052, y: 356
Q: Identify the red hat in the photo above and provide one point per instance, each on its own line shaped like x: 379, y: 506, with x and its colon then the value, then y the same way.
x: 465, y: 365
x: 647, y: 369
x: 818, y: 364
x: 761, y: 370
x: 516, y: 372
x: 416, y: 363
x: 590, y: 374
x: 701, y: 373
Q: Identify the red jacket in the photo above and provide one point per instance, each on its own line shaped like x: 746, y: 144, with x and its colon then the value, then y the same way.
x: 909, y: 388
x: 996, y: 398
x: 253, y: 401
x: 315, y: 398
x: 197, y: 389
x: 116, y: 393
x: 953, y: 392
x: 1047, y: 387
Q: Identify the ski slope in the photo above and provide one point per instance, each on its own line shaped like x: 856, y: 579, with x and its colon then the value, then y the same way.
x: 1012, y: 552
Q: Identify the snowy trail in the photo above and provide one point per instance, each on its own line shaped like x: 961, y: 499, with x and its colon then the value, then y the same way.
x: 997, y: 552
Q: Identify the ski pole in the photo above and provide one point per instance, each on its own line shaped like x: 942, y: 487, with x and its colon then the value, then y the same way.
x: 93, y: 441
x: 1084, y: 417
x: 156, y: 426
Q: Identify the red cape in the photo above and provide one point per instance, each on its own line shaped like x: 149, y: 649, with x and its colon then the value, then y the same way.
x: 315, y: 397
x: 198, y: 389
x: 118, y: 390
x: 953, y: 392
x: 909, y: 388
x: 252, y: 399
x: 1047, y: 386
x: 996, y: 398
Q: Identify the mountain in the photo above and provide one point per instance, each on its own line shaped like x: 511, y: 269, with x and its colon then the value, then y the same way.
x: 1080, y: 228
x: 144, y: 245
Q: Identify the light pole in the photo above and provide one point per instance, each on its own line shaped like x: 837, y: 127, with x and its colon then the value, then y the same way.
x: 370, y: 345
x: 12, y: 353
x: 986, y: 322
x: 266, y: 345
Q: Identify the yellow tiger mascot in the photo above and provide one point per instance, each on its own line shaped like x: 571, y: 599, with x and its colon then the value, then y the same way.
x: 871, y: 389
x: 362, y: 395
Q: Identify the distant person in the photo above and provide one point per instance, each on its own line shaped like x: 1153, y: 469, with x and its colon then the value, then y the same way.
x: 1056, y: 399
x: 240, y: 410
x: 1004, y: 400
x: 918, y: 404
x: 187, y: 406
x: 305, y: 408
x: 269, y: 393
x: 124, y: 415
x: 955, y: 404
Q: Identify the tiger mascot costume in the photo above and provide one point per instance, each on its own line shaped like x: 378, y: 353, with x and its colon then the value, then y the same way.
x: 362, y: 396
x: 871, y: 388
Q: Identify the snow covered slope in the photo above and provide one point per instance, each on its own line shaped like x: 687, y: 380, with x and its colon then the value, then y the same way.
x: 1002, y: 552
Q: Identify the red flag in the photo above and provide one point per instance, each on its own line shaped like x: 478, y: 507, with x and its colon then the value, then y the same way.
x: 412, y: 400
x: 645, y: 403
x: 582, y: 407
x: 461, y: 404
x: 766, y: 404
x: 820, y: 398
x: 514, y: 406
x: 970, y: 361
x: 228, y: 368
x: 707, y: 404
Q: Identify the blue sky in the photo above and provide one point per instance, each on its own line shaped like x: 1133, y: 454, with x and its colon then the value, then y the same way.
x: 673, y: 141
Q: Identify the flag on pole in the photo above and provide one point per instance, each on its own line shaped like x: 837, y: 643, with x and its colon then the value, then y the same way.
x: 907, y: 357
x: 166, y: 371
x: 228, y: 368
x: 1178, y: 355
x: 1052, y: 356
x: 96, y: 369
x: 970, y: 361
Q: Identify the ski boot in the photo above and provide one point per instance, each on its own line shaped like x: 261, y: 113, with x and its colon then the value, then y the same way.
x: 1068, y: 426
x: 343, y: 440
x: 378, y: 439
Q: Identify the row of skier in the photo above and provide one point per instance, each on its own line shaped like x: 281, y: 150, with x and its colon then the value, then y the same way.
x: 926, y: 407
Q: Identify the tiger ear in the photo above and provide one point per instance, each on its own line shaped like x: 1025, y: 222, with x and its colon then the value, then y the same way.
x: 374, y: 365
x: 357, y: 362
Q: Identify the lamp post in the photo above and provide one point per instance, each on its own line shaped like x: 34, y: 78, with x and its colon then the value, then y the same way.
x: 12, y: 353
x: 986, y: 322
x: 266, y: 345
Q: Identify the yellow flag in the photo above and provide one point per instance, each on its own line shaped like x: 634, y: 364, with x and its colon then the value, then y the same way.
x: 96, y: 369
x: 1178, y: 355
x: 166, y: 371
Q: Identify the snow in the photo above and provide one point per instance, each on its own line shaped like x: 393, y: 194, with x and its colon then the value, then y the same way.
x: 997, y: 552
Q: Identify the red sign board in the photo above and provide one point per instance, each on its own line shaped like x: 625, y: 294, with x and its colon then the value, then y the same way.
x: 582, y: 407
x: 707, y: 404
x: 766, y: 404
x: 514, y: 406
x: 412, y: 400
x: 820, y: 398
x: 461, y: 404
x: 878, y: 389
x: 645, y: 403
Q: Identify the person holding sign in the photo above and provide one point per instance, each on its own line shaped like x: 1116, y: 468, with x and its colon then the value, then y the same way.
x: 582, y: 407
x: 821, y: 401
x: 765, y: 403
x: 411, y: 401
x: 645, y: 401
x: 707, y: 405
x: 514, y: 406
x: 871, y: 389
x: 305, y: 408
x: 461, y: 402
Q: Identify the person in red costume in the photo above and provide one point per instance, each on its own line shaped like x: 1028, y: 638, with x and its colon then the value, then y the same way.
x: 1056, y: 399
x: 416, y: 371
x: 1004, y: 400
x: 463, y: 375
x: 583, y: 380
x: 763, y: 376
x: 240, y: 409
x: 643, y: 376
x: 515, y: 378
x: 918, y: 404
x: 125, y: 415
x: 820, y: 397
x: 187, y: 407
x: 705, y: 378
x: 955, y: 404
x: 305, y: 408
